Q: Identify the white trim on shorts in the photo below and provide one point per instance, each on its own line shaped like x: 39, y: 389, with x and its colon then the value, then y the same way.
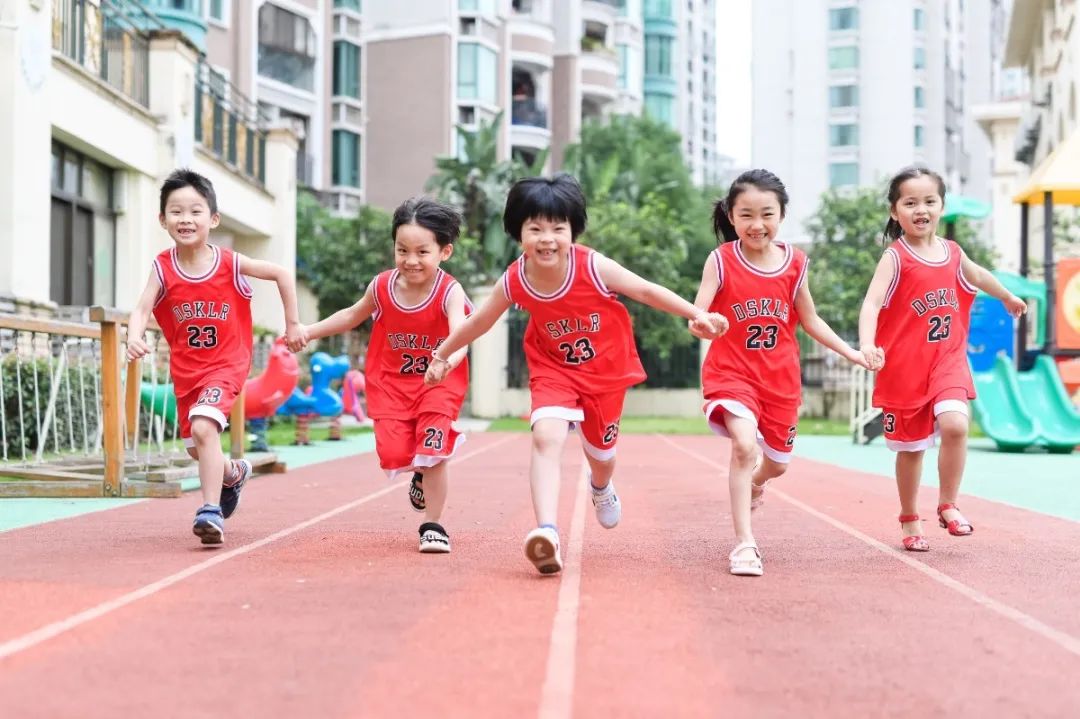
x: 921, y: 445
x: 551, y: 412
x: 597, y: 453
x: 739, y: 409
x: 205, y: 411
x: 432, y: 460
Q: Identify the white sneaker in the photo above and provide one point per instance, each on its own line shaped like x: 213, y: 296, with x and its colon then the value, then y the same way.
x: 607, y: 505
x: 542, y: 549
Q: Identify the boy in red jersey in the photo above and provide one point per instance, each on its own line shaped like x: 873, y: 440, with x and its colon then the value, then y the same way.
x: 200, y: 297
x: 917, y: 309
x: 415, y: 306
x: 751, y: 377
x: 579, y: 345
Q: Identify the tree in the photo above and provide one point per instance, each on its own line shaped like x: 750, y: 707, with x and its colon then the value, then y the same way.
x: 847, y: 245
x: 337, y: 256
x: 477, y: 182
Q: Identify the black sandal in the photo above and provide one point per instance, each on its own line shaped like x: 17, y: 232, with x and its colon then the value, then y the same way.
x: 416, y: 492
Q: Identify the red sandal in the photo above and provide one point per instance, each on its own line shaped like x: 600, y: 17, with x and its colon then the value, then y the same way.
x: 916, y: 542
x: 954, y: 526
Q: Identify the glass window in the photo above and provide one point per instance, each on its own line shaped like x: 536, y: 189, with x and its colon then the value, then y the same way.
x: 844, y: 18
x: 658, y: 55
x: 217, y: 10
x: 843, y: 96
x: 660, y: 108
x: 349, y: 4
x: 480, y: 7
x: 658, y: 8
x: 920, y: 58
x: 843, y: 135
x: 843, y: 58
x: 346, y: 69
x: 624, y: 57
x: 919, y: 19
x: 346, y: 162
x: 920, y: 97
x: 477, y: 73
x: 286, y: 47
x: 843, y: 174
x: 920, y: 136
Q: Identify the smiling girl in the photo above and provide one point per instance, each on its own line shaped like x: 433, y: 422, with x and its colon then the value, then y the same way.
x: 916, y: 312
x: 751, y: 377
x: 579, y: 345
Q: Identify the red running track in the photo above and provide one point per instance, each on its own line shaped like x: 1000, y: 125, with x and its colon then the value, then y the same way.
x: 319, y: 604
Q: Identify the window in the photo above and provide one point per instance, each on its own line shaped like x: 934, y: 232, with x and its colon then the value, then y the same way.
x: 658, y: 55
x: 346, y: 69
x: 843, y: 96
x: 624, y: 58
x: 218, y: 10
x: 82, y: 258
x: 348, y: 4
x: 843, y: 174
x: 844, y: 18
x: 477, y: 73
x: 660, y: 108
x: 480, y: 7
x: 920, y: 136
x: 919, y: 19
x: 843, y: 58
x: 658, y: 8
x: 920, y: 58
x: 287, y: 47
x: 843, y: 135
x: 346, y: 164
x: 920, y: 97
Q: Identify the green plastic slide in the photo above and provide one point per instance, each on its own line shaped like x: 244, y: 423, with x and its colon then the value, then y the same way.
x: 1021, y: 409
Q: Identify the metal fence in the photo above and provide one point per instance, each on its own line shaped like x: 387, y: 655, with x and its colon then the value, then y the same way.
x: 228, y: 124
x: 110, y: 38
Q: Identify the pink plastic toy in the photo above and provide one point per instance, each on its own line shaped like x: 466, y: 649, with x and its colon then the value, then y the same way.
x: 265, y: 393
x: 352, y: 390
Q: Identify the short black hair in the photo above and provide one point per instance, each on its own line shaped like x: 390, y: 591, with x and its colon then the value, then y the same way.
x: 557, y: 199
x: 443, y: 220
x: 764, y: 181
x: 184, y: 177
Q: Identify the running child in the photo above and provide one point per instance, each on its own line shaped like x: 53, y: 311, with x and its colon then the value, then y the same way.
x: 414, y: 306
x: 579, y: 345
x: 916, y: 312
x: 751, y: 377
x: 201, y: 299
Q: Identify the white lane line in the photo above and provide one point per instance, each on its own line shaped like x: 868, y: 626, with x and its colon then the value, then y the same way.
x: 1067, y: 642
x: 557, y: 694
x: 49, y: 631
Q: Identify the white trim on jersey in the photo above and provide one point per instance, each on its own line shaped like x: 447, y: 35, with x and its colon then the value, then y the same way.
x: 920, y: 258
x: 506, y: 287
x: 801, y: 280
x: 423, y: 304
x: 239, y: 281
x: 375, y: 296
x: 963, y: 281
x: 718, y: 261
x: 161, y: 281
x: 571, y: 271
x: 594, y: 274
x: 788, y: 256
x: 469, y: 309
x: 895, y: 277
x: 190, y: 278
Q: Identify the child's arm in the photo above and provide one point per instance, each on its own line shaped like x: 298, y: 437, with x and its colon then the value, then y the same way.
x: 461, y: 336
x: 136, y: 343
x: 710, y: 284
x: 871, y: 307
x: 263, y: 270
x: 344, y: 320
x: 818, y: 329
x: 985, y: 281
x: 624, y: 282
x: 455, y: 315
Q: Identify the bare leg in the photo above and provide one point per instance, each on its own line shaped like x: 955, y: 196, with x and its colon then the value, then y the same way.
x: 548, y: 438
x: 953, y: 428
x: 436, y: 483
x: 744, y: 450
x: 908, y: 477
x: 207, y: 436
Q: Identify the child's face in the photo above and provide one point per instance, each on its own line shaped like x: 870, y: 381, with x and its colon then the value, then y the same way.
x: 919, y: 207
x: 756, y: 217
x: 546, y: 242
x: 187, y: 217
x: 417, y: 254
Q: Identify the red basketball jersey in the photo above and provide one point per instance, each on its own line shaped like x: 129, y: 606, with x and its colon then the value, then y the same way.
x: 923, y: 328
x: 580, y: 333
x: 760, y: 347
x: 398, y: 355
x: 206, y: 320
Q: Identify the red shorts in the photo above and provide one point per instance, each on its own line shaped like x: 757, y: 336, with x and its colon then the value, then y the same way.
x: 405, y: 445
x: 596, y: 415
x: 914, y: 429
x: 777, y: 423
x: 214, y: 398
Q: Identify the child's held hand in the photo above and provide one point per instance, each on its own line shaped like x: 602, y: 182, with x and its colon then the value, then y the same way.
x: 436, y: 371
x: 296, y: 336
x: 137, y: 348
x: 874, y: 357
x: 1015, y: 306
x: 708, y: 326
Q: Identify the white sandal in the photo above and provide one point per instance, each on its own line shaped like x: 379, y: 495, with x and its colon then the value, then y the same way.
x: 743, y: 566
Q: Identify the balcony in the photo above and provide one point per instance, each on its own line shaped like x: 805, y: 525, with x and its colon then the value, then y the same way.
x: 287, y: 48
x: 183, y: 15
x: 110, y: 39
x: 529, y: 124
x: 229, y: 125
x: 599, y: 74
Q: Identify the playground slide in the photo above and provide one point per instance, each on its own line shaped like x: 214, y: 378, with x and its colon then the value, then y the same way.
x: 1018, y: 409
x: 1045, y: 398
x: 999, y: 409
